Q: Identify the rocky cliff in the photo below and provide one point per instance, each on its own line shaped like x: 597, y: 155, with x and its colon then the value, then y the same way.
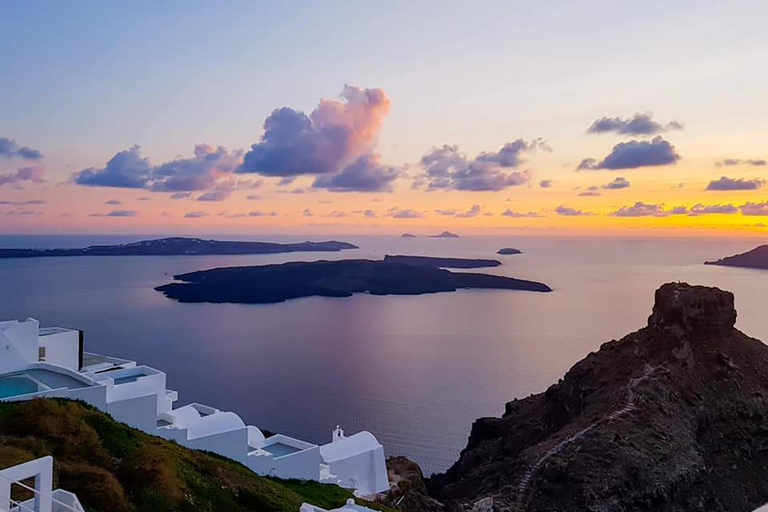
x: 673, y: 417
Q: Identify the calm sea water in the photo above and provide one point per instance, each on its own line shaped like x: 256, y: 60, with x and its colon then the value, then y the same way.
x: 415, y: 371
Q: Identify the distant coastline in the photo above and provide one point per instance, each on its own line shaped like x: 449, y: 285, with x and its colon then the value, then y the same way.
x: 181, y: 246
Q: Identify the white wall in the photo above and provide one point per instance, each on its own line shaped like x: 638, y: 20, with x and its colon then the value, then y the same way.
x: 41, y: 469
x: 62, y: 348
x: 139, y: 412
x: 18, y: 344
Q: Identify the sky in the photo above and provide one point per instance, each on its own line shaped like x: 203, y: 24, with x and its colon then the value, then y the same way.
x: 488, y: 117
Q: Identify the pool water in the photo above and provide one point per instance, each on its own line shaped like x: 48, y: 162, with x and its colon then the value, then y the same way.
x: 16, y: 385
x: 280, y: 449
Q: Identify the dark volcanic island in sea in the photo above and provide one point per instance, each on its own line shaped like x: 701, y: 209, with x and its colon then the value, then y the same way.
x: 180, y: 246
x: 277, y: 283
x: 671, y: 418
x: 756, y: 258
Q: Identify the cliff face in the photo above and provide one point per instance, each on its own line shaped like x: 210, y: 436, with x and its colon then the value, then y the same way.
x: 673, y: 417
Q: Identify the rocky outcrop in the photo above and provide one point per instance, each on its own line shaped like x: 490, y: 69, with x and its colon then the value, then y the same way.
x: 407, y: 491
x: 673, y: 417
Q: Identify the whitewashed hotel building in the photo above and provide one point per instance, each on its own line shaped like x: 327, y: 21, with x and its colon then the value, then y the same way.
x: 50, y: 362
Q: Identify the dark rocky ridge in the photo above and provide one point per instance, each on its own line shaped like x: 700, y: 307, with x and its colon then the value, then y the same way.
x: 276, y: 283
x: 445, y: 234
x: 430, y: 261
x: 756, y: 258
x: 181, y: 246
x: 673, y: 417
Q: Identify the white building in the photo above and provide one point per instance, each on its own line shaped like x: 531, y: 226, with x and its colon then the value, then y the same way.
x: 350, y: 506
x: 43, y: 498
x: 51, y: 362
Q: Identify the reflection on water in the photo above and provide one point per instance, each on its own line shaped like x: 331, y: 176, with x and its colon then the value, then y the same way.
x: 415, y: 371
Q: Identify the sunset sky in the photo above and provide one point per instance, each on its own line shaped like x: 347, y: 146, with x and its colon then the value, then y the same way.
x: 384, y: 117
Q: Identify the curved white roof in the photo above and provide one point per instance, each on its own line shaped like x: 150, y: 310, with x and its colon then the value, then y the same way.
x: 215, y: 424
x: 347, y: 447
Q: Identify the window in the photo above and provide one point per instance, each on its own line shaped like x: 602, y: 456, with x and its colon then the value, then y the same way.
x: 41, y: 354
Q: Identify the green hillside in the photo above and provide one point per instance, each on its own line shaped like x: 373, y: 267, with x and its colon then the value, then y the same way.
x: 115, y: 468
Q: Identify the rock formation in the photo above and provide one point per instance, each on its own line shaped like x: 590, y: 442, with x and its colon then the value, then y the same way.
x: 673, y: 417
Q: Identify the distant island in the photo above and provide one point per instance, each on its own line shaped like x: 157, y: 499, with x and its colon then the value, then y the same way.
x: 180, y: 246
x: 506, y: 251
x: 756, y: 258
x: 407, y: 235
x: 445, y: 234
x: 429, y: 261
x: 266, y: 284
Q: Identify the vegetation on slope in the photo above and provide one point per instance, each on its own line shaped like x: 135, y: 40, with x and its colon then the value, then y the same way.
x: 115, y: 468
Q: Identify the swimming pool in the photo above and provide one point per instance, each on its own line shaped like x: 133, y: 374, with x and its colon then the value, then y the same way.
x: 15, y: 385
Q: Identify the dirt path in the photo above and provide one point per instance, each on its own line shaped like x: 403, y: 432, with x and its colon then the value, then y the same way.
x: 523, y: 485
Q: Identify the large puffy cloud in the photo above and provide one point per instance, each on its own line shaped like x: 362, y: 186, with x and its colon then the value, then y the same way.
x: 634, y: 154
x: 725, y: 183
x: 640, y: 209
x: 366, y: 174
x: 127, y: 169
x: 447, y: 168
x: 334, y: 135
x: 616, y: 184
x: 730, y: 162
x: 639, y: 124
x: 10, y: 149
x: 24, y: 174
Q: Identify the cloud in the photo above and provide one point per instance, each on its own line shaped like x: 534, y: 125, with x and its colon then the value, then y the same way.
x: 9, y: 149
x: 144, y: 198
x: 701, y: 209
x: 200, y: 172
x: 127, y: 169
x: 214, y: 195
x: 591, y: 191
x: 370, y: 214
x: 730, y: 162
x: 113, y: 202
x: 754, y: 208
x: 447, y: 168
x: 634, y: 154
x: 22, y: 203
x: 617, y: 184
x: 262, y: 214
x: 519, y: 215
x: 365, y: 174
x: 448, y: 212
x: 209, y: 168
x: 307, y: 213
x: 472, y: 212
x: 23, y: 174
x: 640, y: 209
x: 117, y: 213
x: 403, y: 213
x: 23, y: 211
x: 639, y: 124
x: 570, y: 212
x: 725, y: 183
x: 195, y: 214
x: 545, y: 183
x: 181, y: 195
x: 253, y: 197
x: 679, y: 210
x: 335, y: 134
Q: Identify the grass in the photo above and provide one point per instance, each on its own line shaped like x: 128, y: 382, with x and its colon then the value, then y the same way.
x: 115, y: 468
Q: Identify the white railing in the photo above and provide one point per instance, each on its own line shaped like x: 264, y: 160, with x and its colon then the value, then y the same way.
x: 24, y: 507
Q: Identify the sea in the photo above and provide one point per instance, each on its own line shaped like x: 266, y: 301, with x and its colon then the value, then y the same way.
x: 416, y: 371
